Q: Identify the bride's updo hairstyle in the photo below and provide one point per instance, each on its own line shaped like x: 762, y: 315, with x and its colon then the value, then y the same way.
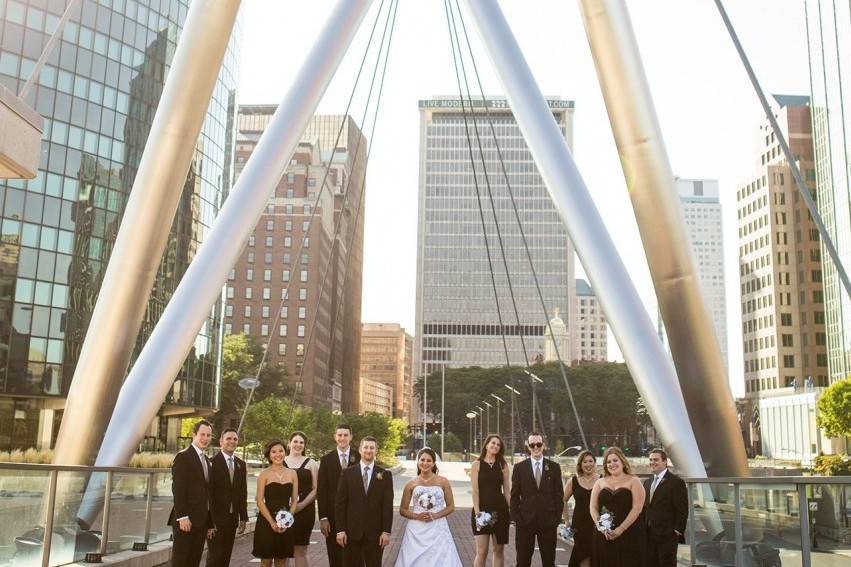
x: 431, y: 453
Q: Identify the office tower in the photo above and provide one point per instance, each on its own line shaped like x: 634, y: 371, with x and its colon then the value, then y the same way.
x: 779, y: 260
x: 829, y: 35
x: 387, y: 358
x: 98, y: 94
x: 313, y: 335
x: 702, y: 213
x: 376, y: 397
x: 591, y: 342
x: 457, y: 315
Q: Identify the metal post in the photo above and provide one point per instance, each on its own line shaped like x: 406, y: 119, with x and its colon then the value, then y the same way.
x: 738, y: 520
x: 149, y: 501
x: 692, y: 546
x: 804, y: 517
x: 47, y: 540
x: 650, y: 365
x: 694, y: 347
x: 442, y: 408
x: 534, y: 408
x: 143, y: 234
x: 425, y: 410
x: 107, y: 504
x: 513, y: 436
x: 159, y: 362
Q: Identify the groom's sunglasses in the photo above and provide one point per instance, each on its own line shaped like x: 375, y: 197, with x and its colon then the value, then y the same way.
x: 535, y: 445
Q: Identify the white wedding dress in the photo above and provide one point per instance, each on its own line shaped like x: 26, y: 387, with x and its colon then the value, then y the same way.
x: 428, y: 544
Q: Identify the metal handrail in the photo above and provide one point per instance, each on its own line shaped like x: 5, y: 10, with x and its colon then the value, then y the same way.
x: 78, y: 468
x: 769, y: 480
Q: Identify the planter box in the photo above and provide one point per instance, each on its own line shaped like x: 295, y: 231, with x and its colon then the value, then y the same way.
x: 21, y: 128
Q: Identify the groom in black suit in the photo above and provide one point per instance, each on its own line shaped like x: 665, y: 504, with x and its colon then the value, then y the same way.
x: 666, y: 511
x: 229, y: 499
x: 537, y: 502
x: 363, y: 509
x: 190, y: 517
x: 331, y: 465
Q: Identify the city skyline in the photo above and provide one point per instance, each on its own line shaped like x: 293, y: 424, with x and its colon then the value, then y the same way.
x: 702, y: 97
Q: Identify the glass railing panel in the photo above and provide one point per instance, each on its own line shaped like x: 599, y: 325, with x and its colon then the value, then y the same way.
x: 127, y: 511
x: 829, y: 508
x: 713, y: 529
x: 71, y: 541
x: 23, y: 498
x: 771, y: 525
x: 161, y: 504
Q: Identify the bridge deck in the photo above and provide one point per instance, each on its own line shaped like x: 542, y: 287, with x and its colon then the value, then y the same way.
x: 459, y: 523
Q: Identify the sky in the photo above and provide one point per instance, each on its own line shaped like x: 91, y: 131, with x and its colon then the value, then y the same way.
x: 707, y: 109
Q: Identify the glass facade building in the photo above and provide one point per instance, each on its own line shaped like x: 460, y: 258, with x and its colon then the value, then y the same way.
x: 829, y: 41
x: 457, y: 315
x: 98, y: 93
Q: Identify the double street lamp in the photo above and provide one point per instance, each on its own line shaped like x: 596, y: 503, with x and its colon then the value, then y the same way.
x: 513, y: 438
x: 471, y: 416
x: 498, y: 401
x: 535, y: 380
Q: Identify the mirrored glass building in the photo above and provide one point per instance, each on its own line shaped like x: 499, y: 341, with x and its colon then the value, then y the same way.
x: 98, y: 94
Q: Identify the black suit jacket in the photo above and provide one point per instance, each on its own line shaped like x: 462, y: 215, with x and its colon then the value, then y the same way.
x: 227, y: 496
x: 329, y: 479
x: 529, y: 502
x: 364, y: 515
x: 668, y: 511
x: 190, y: 489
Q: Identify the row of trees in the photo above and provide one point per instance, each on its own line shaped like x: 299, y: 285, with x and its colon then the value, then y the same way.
x: 834, y: 417
x: 608, y: 404
x: 273, y: 415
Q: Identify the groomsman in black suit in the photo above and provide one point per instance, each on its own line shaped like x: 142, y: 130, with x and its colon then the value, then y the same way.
x: 666, y: 511
x: 230, y: 499
x: 537, y: 502
x: 330, y: 467
x: 363, y: 509
x: 190, y: 517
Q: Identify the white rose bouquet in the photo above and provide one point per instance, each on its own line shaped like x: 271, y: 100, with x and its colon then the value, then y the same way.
x: 284, y: 519
x: 565, y: 532
x: 485, y: 519
x: 427, y: 501
x: 605, y: 521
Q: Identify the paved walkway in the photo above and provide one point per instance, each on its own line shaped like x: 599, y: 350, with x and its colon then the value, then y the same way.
x: 459, y: 523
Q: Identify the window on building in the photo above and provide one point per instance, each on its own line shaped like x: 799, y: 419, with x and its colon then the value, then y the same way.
x: 282, y: 349
x: 267, y: 258
x: 246, y: 329
x: 248, y: 293
x: 251, y: 257
x: 249, y: 274
x: 301, y: 330
x: 269, y: 242
x: 270, y: 224
x: 228, y: 310
x: 264, y: 330
x: 786, y: 319
x: 282, y: 330
x: 230, y: 292
x: 299, y: 349
x: 303, y: 276
x: 267, y: 293
x: 285, y: 275
x: 264, y: 311
x: 232, y: 275
x: 246, y: 311
x: 288, y: 242
x: 788, y: 361
x: 267, y: 275
x: 787, y: 340
x: 251, y: 240
x: 228, y: 329
x: 302, y: 293
x: 302, y: 312
x: 285, y: 311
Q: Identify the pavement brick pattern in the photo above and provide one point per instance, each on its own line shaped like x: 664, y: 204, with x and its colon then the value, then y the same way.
x: 459, y: 523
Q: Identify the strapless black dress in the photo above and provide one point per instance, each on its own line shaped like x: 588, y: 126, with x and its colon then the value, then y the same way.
x: 628, y: 549
x: 267, y: 543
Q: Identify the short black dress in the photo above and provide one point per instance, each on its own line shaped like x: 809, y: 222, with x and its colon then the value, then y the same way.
x: 492, y: 499
x: 267, y: 543
x: 304, y: 519
x: 582, y: 524
x: 628, y: 549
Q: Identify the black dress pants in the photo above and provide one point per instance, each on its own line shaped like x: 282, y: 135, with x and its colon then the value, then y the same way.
x: 363, y: 553
x: 188, y: 546
x: 525, y: 538
x: 221, y: 546
x: 661, y: 550
x: 335, y: 552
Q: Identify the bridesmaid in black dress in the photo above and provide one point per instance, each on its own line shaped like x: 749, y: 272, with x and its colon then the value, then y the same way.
x: 277, y: 488
x: 579, y: 488
x: 620, y: 493
x: 307, y: 471
x: 491, y: 492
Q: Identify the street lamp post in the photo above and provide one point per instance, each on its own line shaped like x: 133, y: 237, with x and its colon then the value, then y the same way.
x: 498, y: 401
x: 535, y: 380
x: 471, y: 416
x: 481, y: 426
x: 442, y: 408
x: 425, y: 408
x: 513, y: 438
x: 489, y: 416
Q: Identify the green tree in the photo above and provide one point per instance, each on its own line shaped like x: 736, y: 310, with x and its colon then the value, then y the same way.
x: 241, y: 356
x: 834, y: 409
x: 451, y: 443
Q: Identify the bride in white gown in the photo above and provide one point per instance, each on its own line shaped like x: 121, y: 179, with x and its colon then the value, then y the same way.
x: 427, y: 541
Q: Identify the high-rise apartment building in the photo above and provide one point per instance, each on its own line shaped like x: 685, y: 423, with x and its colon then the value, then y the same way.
x: 308, y: 329
x: 780, y: 263
x: 829, y: 35
x: 591, y: 342
x: 376, y: 397
x: 457, y: 315
x: 387, y: 357
x: 98, y: 94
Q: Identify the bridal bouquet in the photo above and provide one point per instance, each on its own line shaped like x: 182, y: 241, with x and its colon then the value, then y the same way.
x: 605, y: 521
x: 427, y: 501
x: 565, y: 532
x: 284, y: 519
x: 484, y: 519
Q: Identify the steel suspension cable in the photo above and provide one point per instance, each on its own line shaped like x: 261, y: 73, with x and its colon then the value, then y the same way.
x: 456, y: 39
x: 480, y: 207
x: 286, y: 292
x: 521, y: 230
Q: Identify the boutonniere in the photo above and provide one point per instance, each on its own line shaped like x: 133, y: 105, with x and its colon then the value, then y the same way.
x: 351, y: 459
x: 379, y: 476
x: 546, y: 467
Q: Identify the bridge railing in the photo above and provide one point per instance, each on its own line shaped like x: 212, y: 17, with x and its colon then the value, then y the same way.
x: 769, y: 521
